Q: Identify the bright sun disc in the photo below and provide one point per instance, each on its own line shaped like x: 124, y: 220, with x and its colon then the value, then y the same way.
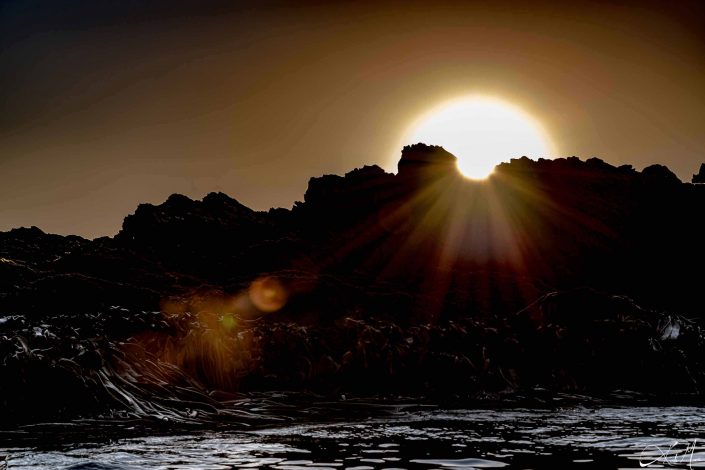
x: 482, y: 132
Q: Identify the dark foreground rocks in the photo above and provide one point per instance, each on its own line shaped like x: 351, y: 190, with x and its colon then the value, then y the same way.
x: 196, y: 366
x: 565, y: 276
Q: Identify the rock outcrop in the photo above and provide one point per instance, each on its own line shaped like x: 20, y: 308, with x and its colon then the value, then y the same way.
x: 539, y: 277
x: 699, y: 177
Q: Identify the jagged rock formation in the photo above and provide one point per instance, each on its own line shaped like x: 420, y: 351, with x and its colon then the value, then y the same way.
x: 700, y: 176
x: 400, y: 277
x: 550, y: 224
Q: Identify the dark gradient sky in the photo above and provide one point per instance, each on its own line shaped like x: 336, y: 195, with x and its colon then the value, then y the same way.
x: 106, y: 104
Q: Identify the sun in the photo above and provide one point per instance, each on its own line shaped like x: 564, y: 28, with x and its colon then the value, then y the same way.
x: 482, y: 132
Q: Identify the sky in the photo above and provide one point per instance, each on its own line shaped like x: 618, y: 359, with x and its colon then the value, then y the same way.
x: 108, y: 104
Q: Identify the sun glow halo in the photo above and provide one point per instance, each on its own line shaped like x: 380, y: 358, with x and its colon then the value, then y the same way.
x: 482, y: 132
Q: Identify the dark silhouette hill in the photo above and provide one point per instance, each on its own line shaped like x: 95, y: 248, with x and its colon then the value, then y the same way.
x: 700, y: 176
x: 571, y: 274
x: 531, y: 228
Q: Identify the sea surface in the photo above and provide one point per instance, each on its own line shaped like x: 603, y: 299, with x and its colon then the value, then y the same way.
x: 375, y: 435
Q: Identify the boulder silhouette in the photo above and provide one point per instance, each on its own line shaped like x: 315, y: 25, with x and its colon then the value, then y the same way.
x: 700, y: 176
x: 538, y: 276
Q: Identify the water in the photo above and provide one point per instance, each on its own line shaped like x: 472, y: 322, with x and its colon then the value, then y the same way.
x: 391, y: 437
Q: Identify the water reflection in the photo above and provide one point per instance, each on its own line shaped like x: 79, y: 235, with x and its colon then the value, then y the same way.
x: 424, y: 439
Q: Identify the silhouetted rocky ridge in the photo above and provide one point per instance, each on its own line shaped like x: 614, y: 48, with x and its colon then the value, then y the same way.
x: 560, y: 275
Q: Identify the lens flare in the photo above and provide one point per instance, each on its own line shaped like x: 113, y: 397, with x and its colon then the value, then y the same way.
x: 268, y: 294
x: 228, y: 321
